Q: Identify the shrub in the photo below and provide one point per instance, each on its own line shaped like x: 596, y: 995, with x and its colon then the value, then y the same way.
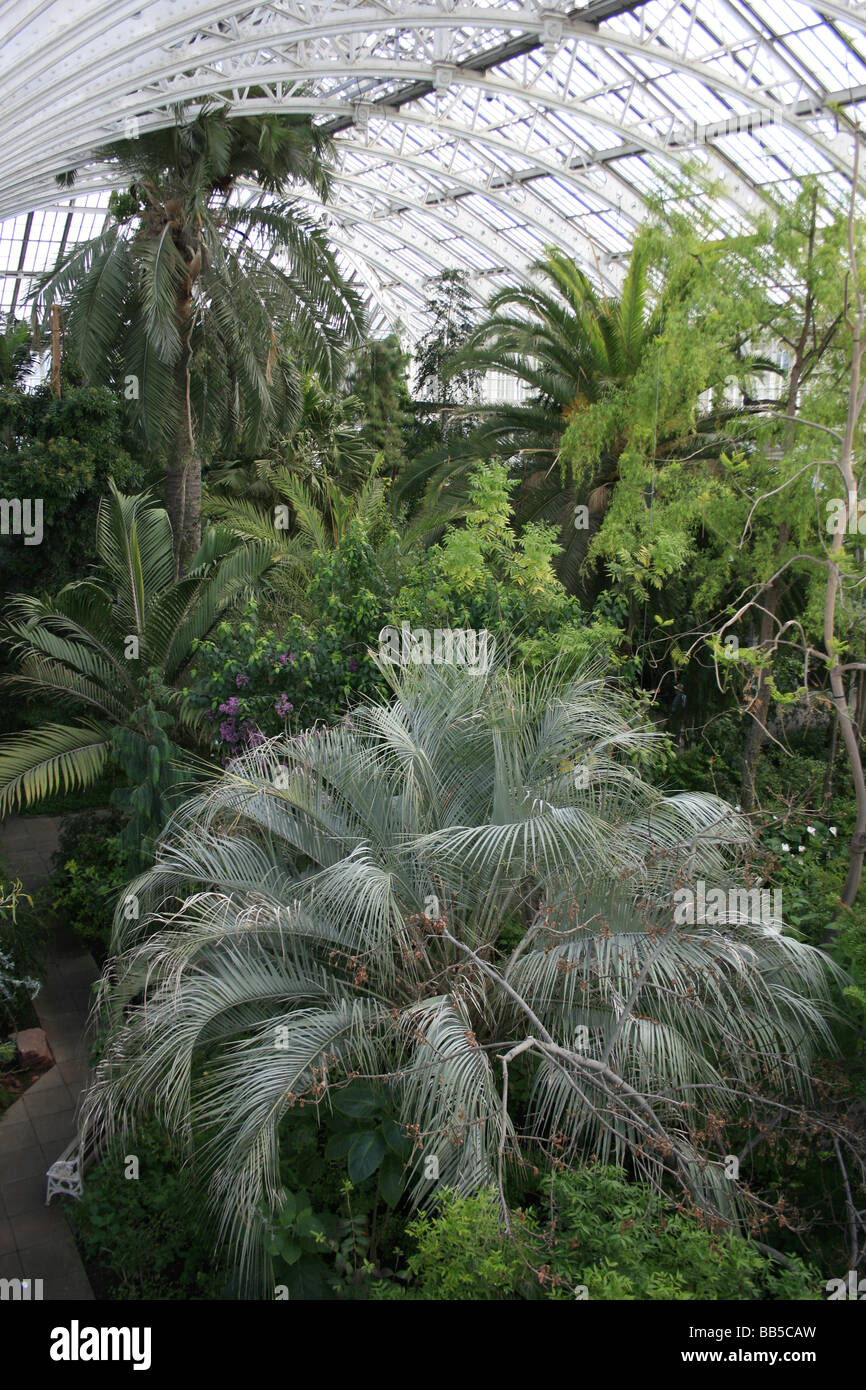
x: 89, y: 872
x: 61, y: 450
x: 610, y: 1239
x: 254, y: 682
x: 145, y: 1235
x: 623, y: 1240
x: 462, y: 1253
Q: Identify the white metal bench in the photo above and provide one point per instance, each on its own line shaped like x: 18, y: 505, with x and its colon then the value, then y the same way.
x: 64, y: 1175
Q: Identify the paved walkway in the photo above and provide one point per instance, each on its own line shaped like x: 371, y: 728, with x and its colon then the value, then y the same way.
x: 26, y: 846
x: 36, y: 1241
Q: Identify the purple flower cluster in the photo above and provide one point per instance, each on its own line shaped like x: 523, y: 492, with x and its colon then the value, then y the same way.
x: 283, y: 706
x: 248, y: 733
x: 241, y: 679
x: 228, y: 729
x: 285, y: 660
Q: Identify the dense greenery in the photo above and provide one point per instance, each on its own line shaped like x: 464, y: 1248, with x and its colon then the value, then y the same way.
x: 110, y: 647
x: 63, y: 451
x: 90, y: 870
x: 364, y: 905
x: 608, y: 1238
x: 476, y: 862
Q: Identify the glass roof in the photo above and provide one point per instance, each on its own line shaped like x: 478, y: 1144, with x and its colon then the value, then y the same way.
x: 469, y: 134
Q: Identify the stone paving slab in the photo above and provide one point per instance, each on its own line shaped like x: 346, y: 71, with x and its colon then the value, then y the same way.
x: 27, y: 844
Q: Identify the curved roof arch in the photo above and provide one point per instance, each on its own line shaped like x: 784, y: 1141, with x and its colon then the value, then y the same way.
x: 468, y: 134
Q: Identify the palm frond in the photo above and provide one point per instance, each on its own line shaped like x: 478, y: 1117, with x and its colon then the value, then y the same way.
x: 56, y: 757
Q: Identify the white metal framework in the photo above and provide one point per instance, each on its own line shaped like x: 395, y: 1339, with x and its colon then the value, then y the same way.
x: 470, y: 134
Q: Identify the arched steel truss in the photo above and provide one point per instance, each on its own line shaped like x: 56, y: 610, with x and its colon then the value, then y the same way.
x: 469, y: 134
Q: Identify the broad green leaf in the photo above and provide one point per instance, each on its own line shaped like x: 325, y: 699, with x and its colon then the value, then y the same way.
x: 395, y: 1138
x: 391, y: 1179
x: 338, y: 1145
x: 359, y: 1101
x: 365, y: 1154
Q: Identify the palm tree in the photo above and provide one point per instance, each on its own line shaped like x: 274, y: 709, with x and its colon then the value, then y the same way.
x: 570, y: 347
x: 471, y: 876
x: 300, y: 522
x: 196, y: 304
x: 565, y: 344
x: 110, y: 647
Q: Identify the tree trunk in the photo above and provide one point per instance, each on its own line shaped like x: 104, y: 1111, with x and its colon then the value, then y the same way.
x: 757, y: 733
x: 56, y: 350
x: 861, y: 703
x: 827, y: 789
x: 183, y: 469
x: 856, y: 402
x: 183, y: 494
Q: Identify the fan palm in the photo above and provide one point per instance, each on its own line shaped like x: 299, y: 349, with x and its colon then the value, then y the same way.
x: 473, y: 871
x: 197, y: 305
x: 105, y: 647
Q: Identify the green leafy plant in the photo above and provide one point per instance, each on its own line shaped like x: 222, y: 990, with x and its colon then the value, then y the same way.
x: 300, y: 1241
x: 252, y: 680
x: 595, y: 1234
x: 90, y: 870
x: 462, y: 1252
x: 62, y: 450
x: 366, y: 1133
x: 144, y: 1237
x: 622, y: 1240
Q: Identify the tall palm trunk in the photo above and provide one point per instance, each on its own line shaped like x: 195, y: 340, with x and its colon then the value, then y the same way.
x: 183, y: 468
x: 183, y: 489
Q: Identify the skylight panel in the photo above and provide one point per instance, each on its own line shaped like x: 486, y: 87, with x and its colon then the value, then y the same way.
x: 692, y: 64
x: 692, y: 99
x: 798, y: 155
x: 835, y: 66
x: 639, y: 172
x: 770, y: 154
